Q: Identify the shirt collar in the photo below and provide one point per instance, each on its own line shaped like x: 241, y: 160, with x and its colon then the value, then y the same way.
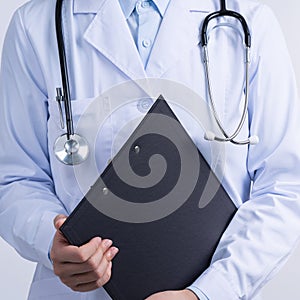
x: 129, y: 5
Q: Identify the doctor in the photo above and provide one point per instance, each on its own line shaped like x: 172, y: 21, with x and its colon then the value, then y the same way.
x: 109, y: 42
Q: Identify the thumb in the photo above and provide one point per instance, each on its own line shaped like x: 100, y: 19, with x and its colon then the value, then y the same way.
x: 59, y: 220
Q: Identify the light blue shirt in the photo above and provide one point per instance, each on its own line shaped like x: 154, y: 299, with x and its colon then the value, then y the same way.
x: 102, y: 58
x: 144, y: 19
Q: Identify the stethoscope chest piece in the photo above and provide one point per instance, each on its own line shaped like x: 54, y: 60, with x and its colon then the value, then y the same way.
x: 71, y: 151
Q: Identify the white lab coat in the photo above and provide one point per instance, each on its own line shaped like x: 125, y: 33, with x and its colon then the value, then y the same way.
x: 101, y: 54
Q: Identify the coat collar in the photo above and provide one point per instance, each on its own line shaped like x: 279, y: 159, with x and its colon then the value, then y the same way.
x: 87, y: 6
x: 178, y: 34
x: 110, y: 35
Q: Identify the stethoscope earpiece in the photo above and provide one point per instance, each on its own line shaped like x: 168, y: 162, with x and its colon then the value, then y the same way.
x: 209, y: 136
x: 252, y: 140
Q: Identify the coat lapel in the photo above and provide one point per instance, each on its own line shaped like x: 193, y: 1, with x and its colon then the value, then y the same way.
x: 178, y: 33
x: 110, y: 35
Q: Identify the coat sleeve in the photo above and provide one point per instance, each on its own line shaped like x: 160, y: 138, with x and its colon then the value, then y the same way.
x: 266, y: 228
x: 27, y: 196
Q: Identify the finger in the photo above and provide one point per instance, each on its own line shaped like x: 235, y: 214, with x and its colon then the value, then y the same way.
x: 98, y: 272
x: 92, y: 265
x: 111, y: 253
x: 73, y: 254
x: 93, y: 279
x: 89, y: 281
x: 59, y: 220
x: 66, y: 258
x: 102, y: 256
x: 91, y: 276
x: 87, y: 262
x: 65, y: 253
x: 85, y: 287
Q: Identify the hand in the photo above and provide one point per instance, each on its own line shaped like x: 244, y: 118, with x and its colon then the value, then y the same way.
x: 84, y: 268
x: 174, y: 295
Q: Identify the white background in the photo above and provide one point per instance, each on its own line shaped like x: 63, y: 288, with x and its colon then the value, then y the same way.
x: 16, y: 273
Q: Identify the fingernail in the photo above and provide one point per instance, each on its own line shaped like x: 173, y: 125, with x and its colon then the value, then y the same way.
x: 107, y: 243
x: 98, y: 239
x: 112, y: 253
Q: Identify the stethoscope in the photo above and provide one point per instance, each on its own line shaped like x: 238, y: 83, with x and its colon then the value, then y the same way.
x: 209, y: 135
x: 71, y: 148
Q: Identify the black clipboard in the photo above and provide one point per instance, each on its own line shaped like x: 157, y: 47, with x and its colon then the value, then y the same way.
x: 170, y: 252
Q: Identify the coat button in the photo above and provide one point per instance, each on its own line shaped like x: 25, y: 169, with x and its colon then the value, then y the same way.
x: 146, y: 43
x: 145, y: 4
x: 144, y: 105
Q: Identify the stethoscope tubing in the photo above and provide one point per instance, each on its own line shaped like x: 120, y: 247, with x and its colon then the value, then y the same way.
x: 228, y: 137
x: 224, y: 12
x: 64, y: 69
